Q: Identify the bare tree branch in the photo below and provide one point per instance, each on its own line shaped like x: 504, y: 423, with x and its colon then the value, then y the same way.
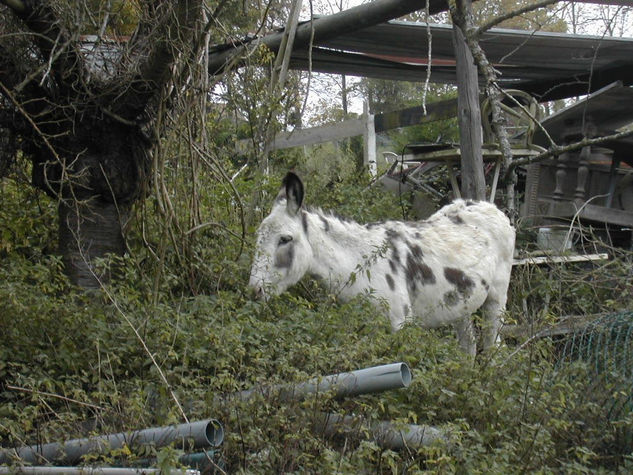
x: 506, y: 16
x: 174, y: 35
x: 30, y: 120
x: 15, y: 5
x: 11, y: 80
x: 53, y: 41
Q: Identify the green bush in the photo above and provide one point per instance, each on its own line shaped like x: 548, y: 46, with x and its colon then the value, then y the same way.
x: 74, y: 364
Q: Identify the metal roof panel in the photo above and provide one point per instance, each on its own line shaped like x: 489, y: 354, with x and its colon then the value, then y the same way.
x: 535, y: 61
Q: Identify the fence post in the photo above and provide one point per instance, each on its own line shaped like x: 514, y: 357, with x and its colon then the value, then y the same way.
x: 369, y: 141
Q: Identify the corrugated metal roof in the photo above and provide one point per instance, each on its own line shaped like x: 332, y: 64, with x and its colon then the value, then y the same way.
x: 549, y: 65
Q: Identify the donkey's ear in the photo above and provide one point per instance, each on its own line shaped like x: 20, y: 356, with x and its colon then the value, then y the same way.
x: 292, y: 188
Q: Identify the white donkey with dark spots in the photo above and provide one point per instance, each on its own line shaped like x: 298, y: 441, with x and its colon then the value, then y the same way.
x: 434, y: 272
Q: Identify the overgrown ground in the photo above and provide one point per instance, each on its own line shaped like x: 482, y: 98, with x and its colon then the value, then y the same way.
x: 74, y: 363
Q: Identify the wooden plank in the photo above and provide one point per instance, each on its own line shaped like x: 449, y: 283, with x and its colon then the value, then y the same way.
x: 566, y: 325
x: 537, y: 260
x: 353, y: 127
x: 599, y: 214
x: 313, y: 135
x: 454, y: 154
x: 607, y: 215
x: 324, y: 133
x: 440, y: 110
x: 624, y: 3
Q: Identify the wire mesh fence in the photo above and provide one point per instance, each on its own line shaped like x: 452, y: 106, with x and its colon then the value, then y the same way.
x: 605, y: 348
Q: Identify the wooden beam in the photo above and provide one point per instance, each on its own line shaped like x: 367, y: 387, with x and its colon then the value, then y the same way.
x: 537, y: 260
x: 624, y: 3
x: 566, y: 325
x: 468, y: 116
x: 326, y: 27
x: 313, y: 135
x: 440, y: 110
x: 369, y: 141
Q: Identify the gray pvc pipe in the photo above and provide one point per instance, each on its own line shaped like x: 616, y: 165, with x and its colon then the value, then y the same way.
x: 196, y: 460
x: 386, y: 434
x: 363, y: 381
x: 202, y: 433
x: 90, y: 470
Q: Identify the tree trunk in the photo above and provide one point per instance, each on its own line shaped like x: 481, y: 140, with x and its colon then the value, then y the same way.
x: 344, y: 95
x: 98, y: 173
x: 89, y: 230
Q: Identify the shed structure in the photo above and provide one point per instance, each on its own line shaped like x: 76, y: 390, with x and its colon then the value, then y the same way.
x: 549, y: 66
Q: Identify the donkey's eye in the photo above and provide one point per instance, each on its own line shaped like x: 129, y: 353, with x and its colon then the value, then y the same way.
x: 284, y: 240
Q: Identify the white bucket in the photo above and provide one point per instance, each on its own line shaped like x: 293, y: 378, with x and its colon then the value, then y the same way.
x: 549, y: 239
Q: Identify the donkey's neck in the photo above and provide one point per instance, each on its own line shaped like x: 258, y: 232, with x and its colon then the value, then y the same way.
x: 341, y: 248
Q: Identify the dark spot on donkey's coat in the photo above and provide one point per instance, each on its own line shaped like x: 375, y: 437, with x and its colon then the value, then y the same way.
x: 456, y: 219
x: 375, y: 224
x: 393, y: 266
x: 451, y: 298
x: 326, y: 223
x: 390, y: 282
x: 304, y: 222
x: 416, y: 251
x: 460, y: 280
x: 284, y: 257
x: 395, y: 255
x: 418, y: 272
x: 393, y: 235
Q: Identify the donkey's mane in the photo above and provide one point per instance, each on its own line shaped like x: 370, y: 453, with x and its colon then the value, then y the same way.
x: 329, y: 213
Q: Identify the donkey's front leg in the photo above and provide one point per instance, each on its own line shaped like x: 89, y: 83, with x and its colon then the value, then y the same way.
x: 466, y: 335
x: 398, y: 315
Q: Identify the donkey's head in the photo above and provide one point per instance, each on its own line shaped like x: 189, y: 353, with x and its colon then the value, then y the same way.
x: 283, y: 252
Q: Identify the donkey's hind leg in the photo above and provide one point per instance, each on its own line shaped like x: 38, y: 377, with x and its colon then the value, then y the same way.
x: 466, y: 335
x: 492, y: 308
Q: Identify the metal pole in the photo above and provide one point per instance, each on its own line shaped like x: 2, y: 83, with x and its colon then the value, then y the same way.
x: 363, y: 381
x: 201, y: 434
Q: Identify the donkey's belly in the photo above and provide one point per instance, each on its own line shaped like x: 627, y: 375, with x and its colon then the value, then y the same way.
x: 436, y: 309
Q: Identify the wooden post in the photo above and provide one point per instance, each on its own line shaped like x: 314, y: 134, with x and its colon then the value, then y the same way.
x: 469, y: 119
x: 369, y: 141
x: 280, y: 73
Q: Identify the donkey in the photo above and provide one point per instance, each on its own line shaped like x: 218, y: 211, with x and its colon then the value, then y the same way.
x: 434, y: 272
